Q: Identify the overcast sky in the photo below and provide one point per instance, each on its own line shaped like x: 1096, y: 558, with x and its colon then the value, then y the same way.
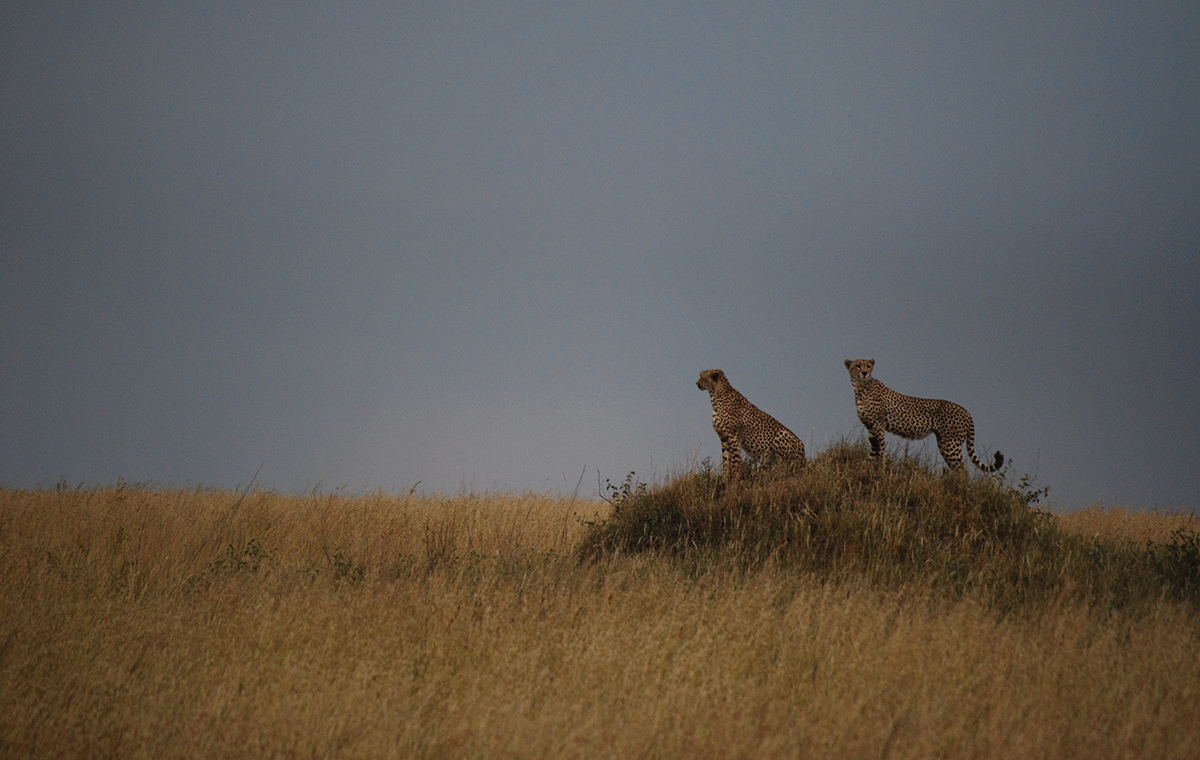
x: 491, y: 246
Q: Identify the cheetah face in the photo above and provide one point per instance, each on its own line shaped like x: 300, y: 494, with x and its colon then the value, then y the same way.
x: 709, y: 379
x: 860, y: 370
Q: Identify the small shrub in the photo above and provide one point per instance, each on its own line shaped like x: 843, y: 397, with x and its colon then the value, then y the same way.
x: 619, y: 496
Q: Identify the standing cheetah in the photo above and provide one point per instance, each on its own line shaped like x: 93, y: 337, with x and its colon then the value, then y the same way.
x: 882, y: 409
x: 742, y: 425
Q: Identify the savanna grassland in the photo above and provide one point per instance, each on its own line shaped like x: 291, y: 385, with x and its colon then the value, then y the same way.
x: 839, y: 610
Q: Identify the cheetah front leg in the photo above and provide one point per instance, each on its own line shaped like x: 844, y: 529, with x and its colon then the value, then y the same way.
x: 731, y: 454
x: 875, y: 436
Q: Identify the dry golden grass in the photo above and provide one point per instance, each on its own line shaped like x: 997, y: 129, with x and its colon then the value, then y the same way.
x: 140, y: 623
x: 1115, y: 523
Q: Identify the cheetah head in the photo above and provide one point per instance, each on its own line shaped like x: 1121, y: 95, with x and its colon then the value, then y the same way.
x: 711, y: 379
x: 860, y: 371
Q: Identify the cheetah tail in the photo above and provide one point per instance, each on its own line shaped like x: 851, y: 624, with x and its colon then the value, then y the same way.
x: 999, y: 459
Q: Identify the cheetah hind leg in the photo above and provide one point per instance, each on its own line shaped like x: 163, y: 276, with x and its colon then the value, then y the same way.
x: 951, y: 452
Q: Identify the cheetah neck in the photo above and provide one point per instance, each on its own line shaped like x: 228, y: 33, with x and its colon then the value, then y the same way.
x: 720, y: 397
x: 866, y: 386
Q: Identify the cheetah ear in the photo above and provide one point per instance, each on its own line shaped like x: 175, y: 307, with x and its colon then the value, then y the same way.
x: 848, y: 363
x: 871, y: 362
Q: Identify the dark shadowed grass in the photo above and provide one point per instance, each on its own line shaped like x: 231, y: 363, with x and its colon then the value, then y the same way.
x: 908, y: 522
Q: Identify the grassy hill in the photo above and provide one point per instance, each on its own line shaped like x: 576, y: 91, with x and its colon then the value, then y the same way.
x: 842, y: 516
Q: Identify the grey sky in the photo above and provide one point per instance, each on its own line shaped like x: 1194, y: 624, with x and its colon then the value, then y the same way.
x: 491, y: 245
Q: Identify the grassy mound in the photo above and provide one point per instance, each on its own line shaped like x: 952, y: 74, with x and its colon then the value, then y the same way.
x: 843, y: 514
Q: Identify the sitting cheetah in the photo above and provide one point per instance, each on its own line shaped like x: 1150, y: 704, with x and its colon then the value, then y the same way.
x: 742, y: 425
x: 882, y: 409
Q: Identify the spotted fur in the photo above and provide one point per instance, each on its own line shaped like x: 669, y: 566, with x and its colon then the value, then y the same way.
x: 881, y: 410
x: 742, y: 425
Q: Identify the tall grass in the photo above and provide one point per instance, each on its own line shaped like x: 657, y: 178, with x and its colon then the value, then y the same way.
x: 133, y: 540
x: 814, y: 613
